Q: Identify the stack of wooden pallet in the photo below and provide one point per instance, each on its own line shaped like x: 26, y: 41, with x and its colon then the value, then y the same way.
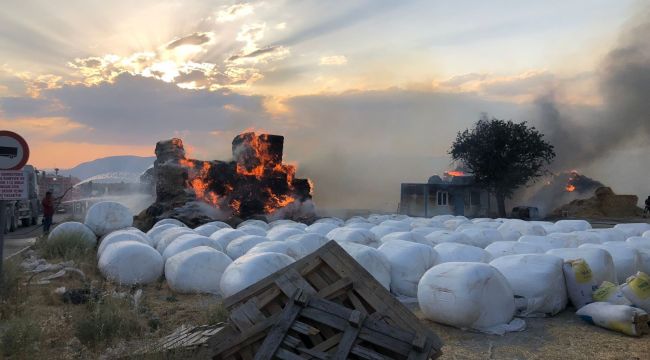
x: 324, y: 306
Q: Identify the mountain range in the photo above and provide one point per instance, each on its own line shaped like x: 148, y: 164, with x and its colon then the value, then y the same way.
x: 111, y: 164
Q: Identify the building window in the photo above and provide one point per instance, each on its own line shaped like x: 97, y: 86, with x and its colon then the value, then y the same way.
x: 475, y: 198
x: 443, y: 198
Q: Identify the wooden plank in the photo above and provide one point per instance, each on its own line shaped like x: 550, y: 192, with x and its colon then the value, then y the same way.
x: 318, y: 281
x: 302, y: 328
x: 349, y: 336
x: 329, y: 343
x: 365, y: 353
x: 290, y: 281
x: 287, y: 355
x: 274, y: 338
x: 342, y: 284
x: 358, y: 305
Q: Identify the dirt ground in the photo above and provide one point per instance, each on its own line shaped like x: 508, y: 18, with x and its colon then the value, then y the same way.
x: 564, y: 336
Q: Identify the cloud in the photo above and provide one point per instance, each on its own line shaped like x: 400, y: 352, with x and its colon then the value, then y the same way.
x: 234, y: 12
x: 334, y: 60
x: 136, y: 110
x: 193, y: 39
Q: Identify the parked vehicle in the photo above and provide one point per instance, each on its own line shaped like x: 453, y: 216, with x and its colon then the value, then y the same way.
x: 24, y: 212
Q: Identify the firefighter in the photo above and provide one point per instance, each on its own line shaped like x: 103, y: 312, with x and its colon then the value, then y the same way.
x: 48, y: 211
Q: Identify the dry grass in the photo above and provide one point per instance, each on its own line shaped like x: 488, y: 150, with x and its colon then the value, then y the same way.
x: 107, y: 320
x: 20, y: 338
x: 69, y: 248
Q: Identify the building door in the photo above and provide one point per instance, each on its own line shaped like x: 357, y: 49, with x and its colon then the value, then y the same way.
x: 459, y: 204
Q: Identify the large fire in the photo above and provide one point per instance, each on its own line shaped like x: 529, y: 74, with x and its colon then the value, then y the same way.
x: 256, y: 182
x: 454, y: 173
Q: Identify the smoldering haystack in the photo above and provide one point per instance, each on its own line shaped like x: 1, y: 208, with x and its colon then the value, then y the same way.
x: 255, y: 184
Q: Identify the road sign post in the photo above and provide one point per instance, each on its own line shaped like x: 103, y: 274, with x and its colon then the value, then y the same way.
x: 14, y: 154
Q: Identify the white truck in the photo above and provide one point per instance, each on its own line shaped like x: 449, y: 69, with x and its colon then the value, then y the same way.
x: 25, y: 212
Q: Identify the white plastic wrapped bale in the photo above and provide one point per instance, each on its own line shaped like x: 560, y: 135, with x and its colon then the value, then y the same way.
x: 169, y: 221
x: 188, y: 241
x: 321, y: 228
x: 407, y: 236
x: 73, y: 231
x: 281, y: 222
x: 118, y: 236
x: 241, y: 245
x: 452, y: 252
x: 573, y: 225
x: 504, y: 248
x: 252, y: 230
x: 197, y: 270
x: 355, y: 219
x: 370, y: 259
x: 580, y: 282
x: 633, y: 229
x: 206, y: 229
x: 442, y: 218
x: 610, y: 234
x: 610, y: 293
x: 254, y: 222
x: 225, y: 236
x: 330, y: 220
x: 523, y: 227
x: 155, y: 233
x: 381, y: 230
x: 290, y: 224
x: 600, y: 261
x: 360, y: 225
x: 106, y: 216
x: 408, y: 262
x: 639, y: 242
x: 482, y: 237
x: 424, y: 222
x: 425, y: 230
x: 130, y: 263
x: 626, y: 258
x: 468, y: 296
x: 488, y: 224
x: 444, y: 236
x: 401, y: 225
x: 304, y: 244
x: 537, y: 281
x: 571, y: 239
x: 622, y: 318
x: 282, y: 233
x: 279, y: 247
x: 170, y: 235
x: 510, y: 235
x: 637, y: 290
x: 545, y: 242
x: 588, y: 237
x: 453, y: 224
x: 220, y: 224
x: 359, y: 236
x: 646, y: 234
x: 249, y: 269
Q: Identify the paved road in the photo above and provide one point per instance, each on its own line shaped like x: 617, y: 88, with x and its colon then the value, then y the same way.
x: 24, y: 236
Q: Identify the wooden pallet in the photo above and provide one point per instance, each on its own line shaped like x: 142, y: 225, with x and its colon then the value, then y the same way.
x: 313, y: 328
x: 330, y: 274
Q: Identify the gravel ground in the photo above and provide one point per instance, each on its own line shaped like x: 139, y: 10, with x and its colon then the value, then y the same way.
x: 564, y: 336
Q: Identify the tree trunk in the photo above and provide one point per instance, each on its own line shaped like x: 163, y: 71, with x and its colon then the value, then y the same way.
x: 501, y: 204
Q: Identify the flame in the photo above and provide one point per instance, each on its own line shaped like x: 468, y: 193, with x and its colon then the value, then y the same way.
x: 254, y: 159
x: 570, y: 188
x: 455, y: 173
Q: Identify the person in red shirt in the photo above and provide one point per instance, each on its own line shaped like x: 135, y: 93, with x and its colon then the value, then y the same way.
x: 48, y: 211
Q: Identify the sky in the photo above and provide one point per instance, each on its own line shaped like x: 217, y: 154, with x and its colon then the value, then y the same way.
x: 368, y: 93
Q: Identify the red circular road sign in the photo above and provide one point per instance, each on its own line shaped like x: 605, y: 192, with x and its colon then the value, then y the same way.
x: 14, y: 151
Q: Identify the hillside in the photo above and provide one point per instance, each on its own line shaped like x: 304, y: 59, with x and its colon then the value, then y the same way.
x: 111, y: 164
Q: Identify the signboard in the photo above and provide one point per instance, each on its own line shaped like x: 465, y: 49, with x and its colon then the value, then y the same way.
x: 14, y: 151
x: 13, y: 185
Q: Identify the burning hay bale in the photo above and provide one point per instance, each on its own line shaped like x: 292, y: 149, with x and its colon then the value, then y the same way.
x: 254, y: 183
x: 604, y: 203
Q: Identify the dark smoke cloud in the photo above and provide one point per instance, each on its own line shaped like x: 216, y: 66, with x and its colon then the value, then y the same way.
x: 624, y: 118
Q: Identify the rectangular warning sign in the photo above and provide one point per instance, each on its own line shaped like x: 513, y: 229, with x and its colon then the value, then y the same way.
x: 13, y: 185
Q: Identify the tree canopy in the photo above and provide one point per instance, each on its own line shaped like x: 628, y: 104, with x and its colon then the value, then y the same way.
x: 502, y: 155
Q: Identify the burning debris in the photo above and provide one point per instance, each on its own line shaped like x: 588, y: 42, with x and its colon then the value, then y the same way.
x: 604, y: 204
x: 254, y: 183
